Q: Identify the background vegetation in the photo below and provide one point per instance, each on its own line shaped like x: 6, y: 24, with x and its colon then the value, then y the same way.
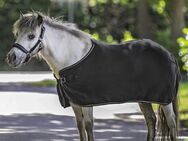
x: 112, y: 21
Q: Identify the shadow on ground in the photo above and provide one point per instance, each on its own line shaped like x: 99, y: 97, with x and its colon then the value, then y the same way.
x: 47, y: 127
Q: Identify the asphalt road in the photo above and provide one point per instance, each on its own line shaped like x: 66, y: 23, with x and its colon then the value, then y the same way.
x: 48, y: 127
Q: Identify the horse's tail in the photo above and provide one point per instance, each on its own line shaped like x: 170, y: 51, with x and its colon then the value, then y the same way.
x: 163, y: 129
x: 162, y: 126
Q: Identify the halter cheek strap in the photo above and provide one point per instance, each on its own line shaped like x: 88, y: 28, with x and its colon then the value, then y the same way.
x: 37, y: 44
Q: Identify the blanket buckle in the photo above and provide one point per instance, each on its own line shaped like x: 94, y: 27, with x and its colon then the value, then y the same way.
x: 63, y: 80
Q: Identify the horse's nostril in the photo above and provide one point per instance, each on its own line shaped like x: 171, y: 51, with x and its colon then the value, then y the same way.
x: 13, y: 57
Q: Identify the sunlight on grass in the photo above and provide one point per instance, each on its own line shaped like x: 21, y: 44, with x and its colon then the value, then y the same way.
x: 183, y: 97
x: 44, y: 83
x: 183, y: 103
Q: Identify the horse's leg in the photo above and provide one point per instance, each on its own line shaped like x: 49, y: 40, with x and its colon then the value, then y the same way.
x: 88, y: 120
x: 171, y: 120
x: 80, y: 121
x: 150, y: 119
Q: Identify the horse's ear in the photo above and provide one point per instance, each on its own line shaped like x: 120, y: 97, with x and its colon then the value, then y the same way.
x: 21, y: 14
x: 39, y: 19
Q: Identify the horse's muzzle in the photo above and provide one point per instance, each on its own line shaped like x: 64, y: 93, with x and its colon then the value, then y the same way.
x: 11, y: 57
x: 13, y: 60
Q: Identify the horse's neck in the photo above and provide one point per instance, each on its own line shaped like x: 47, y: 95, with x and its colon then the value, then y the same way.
x: 61, y: 49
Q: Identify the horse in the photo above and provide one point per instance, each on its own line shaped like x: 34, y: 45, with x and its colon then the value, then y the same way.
x: 62, y: 45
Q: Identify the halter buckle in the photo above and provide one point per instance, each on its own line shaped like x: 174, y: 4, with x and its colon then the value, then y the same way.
x: 28, y: 56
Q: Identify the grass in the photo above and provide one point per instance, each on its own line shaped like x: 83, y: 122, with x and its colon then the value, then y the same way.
x: 183, y: 97
x: 183, y: 103
x: 43, y: 83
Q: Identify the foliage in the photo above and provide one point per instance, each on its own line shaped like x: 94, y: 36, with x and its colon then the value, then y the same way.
x: 160, y: 7
x: 127, y: 36
x: 108, y: 18
x: 183, y: 43
x: 163, y: 37
x: 111, y: 21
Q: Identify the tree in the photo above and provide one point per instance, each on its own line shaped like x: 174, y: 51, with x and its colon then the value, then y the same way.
x: 177, y: 18
x: 144, y: 21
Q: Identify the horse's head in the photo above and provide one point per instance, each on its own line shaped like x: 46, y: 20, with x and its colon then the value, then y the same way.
x: 29, y: 31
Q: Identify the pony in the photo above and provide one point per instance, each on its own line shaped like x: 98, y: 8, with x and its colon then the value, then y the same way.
x: 61, y: 45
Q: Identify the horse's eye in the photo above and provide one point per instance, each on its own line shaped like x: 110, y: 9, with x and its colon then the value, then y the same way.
x: 31, y: 36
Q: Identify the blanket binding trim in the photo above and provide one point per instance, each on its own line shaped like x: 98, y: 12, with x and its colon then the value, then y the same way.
x: 134, y: 101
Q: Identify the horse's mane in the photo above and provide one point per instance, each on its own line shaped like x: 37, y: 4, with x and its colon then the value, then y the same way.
x: 28, y: 22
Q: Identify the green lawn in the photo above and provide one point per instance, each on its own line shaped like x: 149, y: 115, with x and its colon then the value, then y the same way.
x: 183, y: 103
x: 183, y: 97
x: 44, y: 83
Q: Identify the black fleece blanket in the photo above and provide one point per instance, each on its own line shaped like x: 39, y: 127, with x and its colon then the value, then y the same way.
x: 137, y: 71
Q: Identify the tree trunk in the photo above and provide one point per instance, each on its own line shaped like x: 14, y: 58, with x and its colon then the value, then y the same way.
x: 177, y: 18
x: 144, y: 22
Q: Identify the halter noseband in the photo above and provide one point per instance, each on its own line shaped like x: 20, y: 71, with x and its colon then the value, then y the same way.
x: 38, y: 43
